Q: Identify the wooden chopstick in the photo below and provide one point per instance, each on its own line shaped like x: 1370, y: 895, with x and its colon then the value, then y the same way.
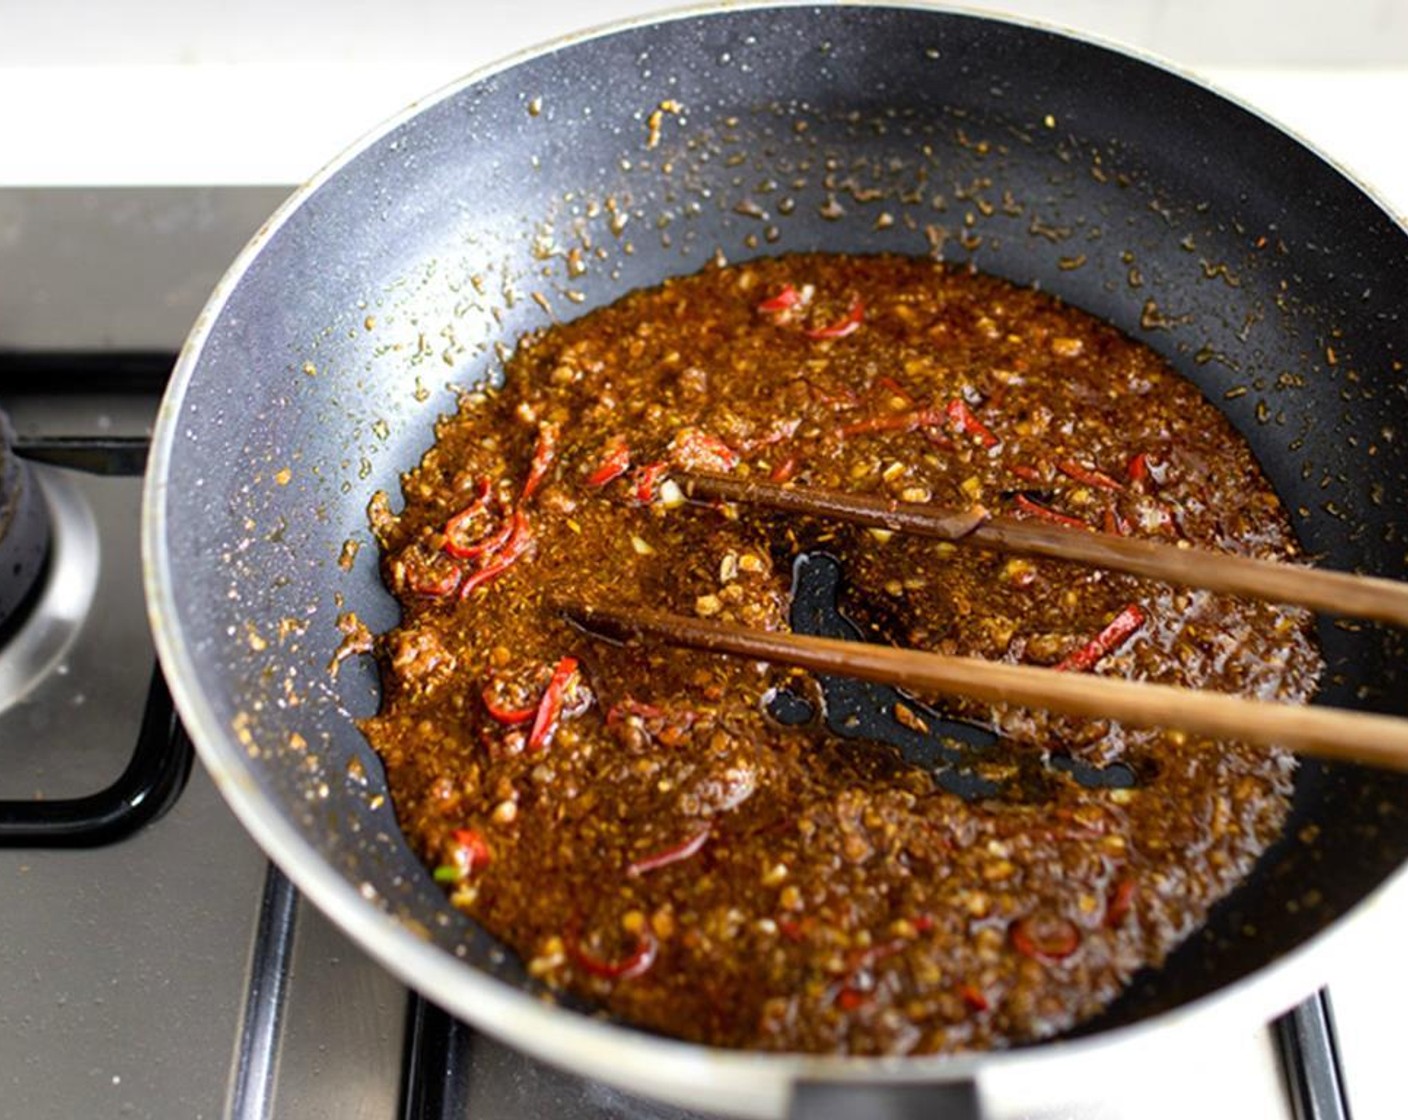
x: 1338, y: 593
x: 1374, y: 740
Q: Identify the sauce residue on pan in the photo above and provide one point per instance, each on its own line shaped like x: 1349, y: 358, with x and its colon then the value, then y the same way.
x: 637, y: 825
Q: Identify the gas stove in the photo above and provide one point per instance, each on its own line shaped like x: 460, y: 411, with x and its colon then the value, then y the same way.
x: 153, y: 963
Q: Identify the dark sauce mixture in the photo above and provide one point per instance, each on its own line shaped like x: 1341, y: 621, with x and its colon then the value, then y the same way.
x: 635, y: 823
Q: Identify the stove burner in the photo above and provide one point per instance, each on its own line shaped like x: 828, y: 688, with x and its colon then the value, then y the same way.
x: 24, y: 534
x: 61, y: 600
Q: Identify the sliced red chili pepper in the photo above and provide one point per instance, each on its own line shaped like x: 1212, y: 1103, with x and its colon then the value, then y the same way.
x: 1118, y: 906
x: 850, y: 999
x: 469, y: 853
x: 968, y: 424
x: 520, y: 535
x: 1137, y: 469
x: 835, y: 398
x: 668, y: 856
x: 1121, y: 627
x: 1026, y: 473
x: 895, y: 389
x: 792, y: 929
x: 972, y: 995
x: 433, y: 583
x: 697, y: 450
x: 847, y: 324
x: 785, y: 300
x: 615, y: 461
x: 488, y: 545
x: 784, y: 471
x: 1114, y: 524
x: 1088, y: 475
x: 896, y: 422
x: 456, y: 543
x: 543, y: 455
x: 629, y: 707
x: 550, y: 707
x: 859, y: 959
x: 1036, y: 509
x: 899, y: 422
x: 511, y: 717
x: 1045, y: 937
x: 636, y: 963
x: 647, y: 479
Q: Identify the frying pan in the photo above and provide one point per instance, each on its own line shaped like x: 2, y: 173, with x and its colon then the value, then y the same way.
x: 315, y: 373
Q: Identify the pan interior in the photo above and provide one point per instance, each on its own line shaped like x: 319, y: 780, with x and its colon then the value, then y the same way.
x: 542, y: 190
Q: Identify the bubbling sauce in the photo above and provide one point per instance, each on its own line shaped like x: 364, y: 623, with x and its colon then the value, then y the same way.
x: 633, y: 821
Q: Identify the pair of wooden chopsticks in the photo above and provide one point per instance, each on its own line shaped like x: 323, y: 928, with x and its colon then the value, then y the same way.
x: 1328, y: 732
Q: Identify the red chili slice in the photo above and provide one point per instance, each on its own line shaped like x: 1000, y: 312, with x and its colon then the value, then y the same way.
x: 510, y: 717
x: 670, y: 855
x: 968, y: 424
x: 696, y: 450
x: 1088, y: 475
x: 1036, y: 509
x: 615, y: 461
x: 1114, y: 524
x: 783, y: 471
x: 1121, y: 627
x: 433, y: 583
x: 1026, y: 473
x: 851, y: 999
x: 1119, y: 903
x: 456, y: 543
x: 895, y: 389
x: 1045, y: 937
x: 550, y: 707
x: 520, y: 535
x: 646, y: 479
x: 629, y: 707
x: 636, y: 963
x: 469, y: 853
x: 543, y: 454
x: 848, y: 324
x: 897, y: 422
x: 1138, y: 468
x: 785, y: 300
x: 972, y: 995
x: 792, y: 929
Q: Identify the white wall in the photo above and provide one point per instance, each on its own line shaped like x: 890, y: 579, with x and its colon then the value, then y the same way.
x: 441, y: 33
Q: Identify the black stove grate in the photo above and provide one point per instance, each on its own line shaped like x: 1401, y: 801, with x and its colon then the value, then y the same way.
x: 146, y: 788
x: 161, y: 759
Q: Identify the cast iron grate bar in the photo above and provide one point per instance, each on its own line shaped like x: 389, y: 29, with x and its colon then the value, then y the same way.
x: 153, y: 779
x: 86, y: 371
x: 105, y: 455
x: 435, y: 1065
x: 161, y: 760
x: 1310, y: 1059
x: 261, y: 1024
x: 436, y: 1077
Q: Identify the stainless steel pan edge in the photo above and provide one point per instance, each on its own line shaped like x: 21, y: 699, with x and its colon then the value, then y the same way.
x: 745, y: 1084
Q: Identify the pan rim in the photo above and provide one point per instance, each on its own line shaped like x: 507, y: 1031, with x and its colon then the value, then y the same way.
x: 739, y: 1082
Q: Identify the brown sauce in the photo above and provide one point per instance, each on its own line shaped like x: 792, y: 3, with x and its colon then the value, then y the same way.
x: 631, y: 820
